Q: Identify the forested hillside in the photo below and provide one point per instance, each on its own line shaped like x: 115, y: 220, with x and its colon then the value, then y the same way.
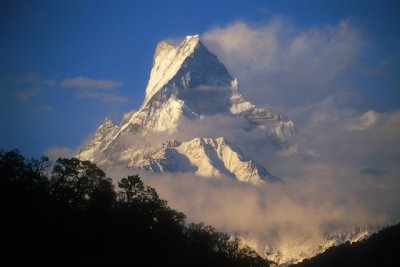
x: 71, y: 213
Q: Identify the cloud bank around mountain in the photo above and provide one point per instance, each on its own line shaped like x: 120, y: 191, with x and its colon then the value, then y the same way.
x: 281, y: 65
x: 341, y: 170
x: 335, y: 178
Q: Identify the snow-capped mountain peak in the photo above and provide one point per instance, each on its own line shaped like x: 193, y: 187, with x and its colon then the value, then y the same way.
x: 187, y: 82
x: 187, y: 65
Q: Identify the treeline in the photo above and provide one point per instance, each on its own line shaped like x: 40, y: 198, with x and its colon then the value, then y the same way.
x: 381, y: 249
x: 71, y: 213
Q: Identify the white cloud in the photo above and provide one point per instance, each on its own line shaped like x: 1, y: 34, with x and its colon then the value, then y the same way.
x: 332, y: 179
x: 103, y: 90
x: 364, y: 122
x: 81, y: 82
x: 102, y: 96
x: 281, y: 65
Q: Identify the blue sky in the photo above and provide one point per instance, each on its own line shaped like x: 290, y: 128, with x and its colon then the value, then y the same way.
x: 65, y: 65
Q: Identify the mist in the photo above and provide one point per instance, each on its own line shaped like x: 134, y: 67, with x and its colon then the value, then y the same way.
x: 341, y: 170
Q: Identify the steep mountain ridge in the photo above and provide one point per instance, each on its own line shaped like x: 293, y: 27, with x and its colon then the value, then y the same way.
x: 186, y: 82
x: 188, y: 65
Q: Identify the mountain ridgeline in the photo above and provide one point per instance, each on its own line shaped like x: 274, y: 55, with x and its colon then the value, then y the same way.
x: 380, y: 249
x: 187, y: 83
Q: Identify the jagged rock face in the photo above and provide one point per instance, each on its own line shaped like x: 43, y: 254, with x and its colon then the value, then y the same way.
x: 105, y: 132
x: 186, y: 82
x: 189, y: 65
x: 207, y: 157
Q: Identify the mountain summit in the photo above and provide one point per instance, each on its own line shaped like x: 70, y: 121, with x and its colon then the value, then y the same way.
x: 188, y: 65
x: 187, y: 83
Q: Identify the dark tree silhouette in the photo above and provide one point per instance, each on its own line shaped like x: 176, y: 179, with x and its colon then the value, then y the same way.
x: 74, y: 215
x: 80, y: 183
x: 23, y: 201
